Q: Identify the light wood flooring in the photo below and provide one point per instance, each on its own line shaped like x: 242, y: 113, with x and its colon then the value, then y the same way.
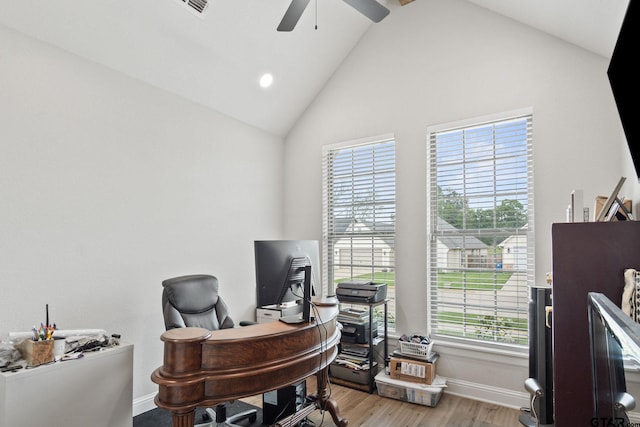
x: 363, y: 409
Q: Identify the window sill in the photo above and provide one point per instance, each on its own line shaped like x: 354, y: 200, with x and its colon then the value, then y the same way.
x: 503, y: 349
x: 503, y: 354
x: 455, y: 345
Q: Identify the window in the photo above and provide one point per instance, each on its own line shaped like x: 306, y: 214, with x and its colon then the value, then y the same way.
x: 359, y: 210
x: 480, y: 229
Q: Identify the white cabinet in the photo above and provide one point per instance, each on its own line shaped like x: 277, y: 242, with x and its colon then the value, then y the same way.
x: 96, y: 390
x: 271, y: 313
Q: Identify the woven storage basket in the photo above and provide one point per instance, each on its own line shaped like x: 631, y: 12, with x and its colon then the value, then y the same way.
x: 36, y: 352
x: 421, y: 351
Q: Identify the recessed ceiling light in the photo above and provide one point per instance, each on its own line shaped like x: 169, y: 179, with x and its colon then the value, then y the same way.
x: 266, y: 80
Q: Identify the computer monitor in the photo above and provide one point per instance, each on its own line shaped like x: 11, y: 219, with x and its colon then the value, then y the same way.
x: 280, y: 270
x: 614, y: 337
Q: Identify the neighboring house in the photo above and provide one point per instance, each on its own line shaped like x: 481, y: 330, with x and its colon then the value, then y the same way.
x: 454, y: 251
x: 355, y: 248
x: 457, y: 251
x: 514, y: 252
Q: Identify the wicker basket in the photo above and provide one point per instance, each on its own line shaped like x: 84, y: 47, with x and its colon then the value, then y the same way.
x: 36, y: 352
x: 421, y: 351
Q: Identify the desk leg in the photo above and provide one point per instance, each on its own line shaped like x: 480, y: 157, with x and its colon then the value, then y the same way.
x: 327, y: 404
x: 183, y: 419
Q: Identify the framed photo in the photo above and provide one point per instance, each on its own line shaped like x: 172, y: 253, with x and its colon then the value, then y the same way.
x: 611, y: 201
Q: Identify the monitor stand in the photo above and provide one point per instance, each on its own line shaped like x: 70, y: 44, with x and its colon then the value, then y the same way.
x: 292, y: 320
x: 305, y: 316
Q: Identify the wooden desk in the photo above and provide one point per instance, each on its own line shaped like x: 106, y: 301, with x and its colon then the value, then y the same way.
x: 204, y: 368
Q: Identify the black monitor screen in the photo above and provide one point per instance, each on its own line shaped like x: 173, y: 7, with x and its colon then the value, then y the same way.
x: 624, y: 79
x: 280, y: 270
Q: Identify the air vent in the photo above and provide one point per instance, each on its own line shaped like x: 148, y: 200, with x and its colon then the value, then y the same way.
x: 196, y: 6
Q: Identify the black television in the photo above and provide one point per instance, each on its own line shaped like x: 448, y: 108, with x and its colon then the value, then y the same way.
x: 614, y: 338
x: 624, y: 79
x: 282, y: 267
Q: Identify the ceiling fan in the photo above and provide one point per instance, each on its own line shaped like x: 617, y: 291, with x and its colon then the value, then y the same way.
x: 369, y: 8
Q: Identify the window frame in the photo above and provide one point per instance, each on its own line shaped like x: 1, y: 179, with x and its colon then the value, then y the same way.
x: 432, y: 228
x: 330, y: 235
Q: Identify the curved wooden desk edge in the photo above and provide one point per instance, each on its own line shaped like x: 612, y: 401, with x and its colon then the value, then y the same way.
x: 204, y: 368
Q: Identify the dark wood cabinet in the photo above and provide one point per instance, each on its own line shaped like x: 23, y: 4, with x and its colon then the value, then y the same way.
x: 587, y: 257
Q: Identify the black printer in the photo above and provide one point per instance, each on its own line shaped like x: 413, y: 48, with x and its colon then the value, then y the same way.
x: 358, y: 333
x: 361, y: 291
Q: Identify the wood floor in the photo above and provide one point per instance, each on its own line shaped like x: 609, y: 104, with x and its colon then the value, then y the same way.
x: 364, y: 409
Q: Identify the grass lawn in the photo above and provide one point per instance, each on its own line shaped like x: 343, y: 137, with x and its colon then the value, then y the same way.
x: 508, y: 329
x: 473, y: 280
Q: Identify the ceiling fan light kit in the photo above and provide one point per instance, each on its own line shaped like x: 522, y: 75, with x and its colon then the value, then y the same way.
x: 369, y: 8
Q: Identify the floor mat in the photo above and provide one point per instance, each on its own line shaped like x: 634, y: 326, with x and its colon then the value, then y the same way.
x: 162, y: 418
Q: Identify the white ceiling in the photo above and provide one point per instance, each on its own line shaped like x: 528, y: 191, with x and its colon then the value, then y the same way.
x: 217, y: 59
x: 591, y: 24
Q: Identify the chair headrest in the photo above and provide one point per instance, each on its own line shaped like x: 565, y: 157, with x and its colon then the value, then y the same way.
x: 192, y: 294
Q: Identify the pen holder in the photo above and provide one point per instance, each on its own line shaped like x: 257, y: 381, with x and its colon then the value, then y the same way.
x: 36, y: 352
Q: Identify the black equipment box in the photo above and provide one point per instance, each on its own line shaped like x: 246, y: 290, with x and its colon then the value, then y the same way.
x: 361, y: 291
x: 277, y: 404
x: 358, y: 376
x: 358, y: 333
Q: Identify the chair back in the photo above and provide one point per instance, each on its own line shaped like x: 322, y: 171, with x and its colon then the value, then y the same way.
x: 194, y: 301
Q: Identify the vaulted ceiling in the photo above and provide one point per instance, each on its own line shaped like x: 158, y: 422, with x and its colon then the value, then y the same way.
x: 217, y: 58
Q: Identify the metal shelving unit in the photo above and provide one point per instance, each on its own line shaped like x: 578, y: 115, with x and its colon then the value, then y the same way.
x: 371, y: 344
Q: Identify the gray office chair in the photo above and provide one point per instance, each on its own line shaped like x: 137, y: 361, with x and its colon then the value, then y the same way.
x: 193, y: 301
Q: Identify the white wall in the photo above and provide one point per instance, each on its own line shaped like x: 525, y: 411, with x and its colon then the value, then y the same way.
x: 445, y: 60
x: 108, y: 186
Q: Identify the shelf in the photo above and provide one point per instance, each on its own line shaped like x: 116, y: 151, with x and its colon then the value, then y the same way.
x: 351, y: 384
x: 372, y: 343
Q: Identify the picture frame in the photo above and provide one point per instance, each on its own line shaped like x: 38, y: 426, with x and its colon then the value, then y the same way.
x: 611, y: 201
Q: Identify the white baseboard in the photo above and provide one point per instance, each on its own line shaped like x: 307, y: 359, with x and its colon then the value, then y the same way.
x: 488, y: 394
x: 143, y: 404
x: 502, y: 397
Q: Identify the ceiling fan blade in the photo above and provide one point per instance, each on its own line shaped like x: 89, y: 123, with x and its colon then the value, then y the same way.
x: 292, y: 15
x: 369, y: 8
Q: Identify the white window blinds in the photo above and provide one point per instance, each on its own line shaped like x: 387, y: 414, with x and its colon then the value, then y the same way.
x: 359, y: 204
x: 480, y: 225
